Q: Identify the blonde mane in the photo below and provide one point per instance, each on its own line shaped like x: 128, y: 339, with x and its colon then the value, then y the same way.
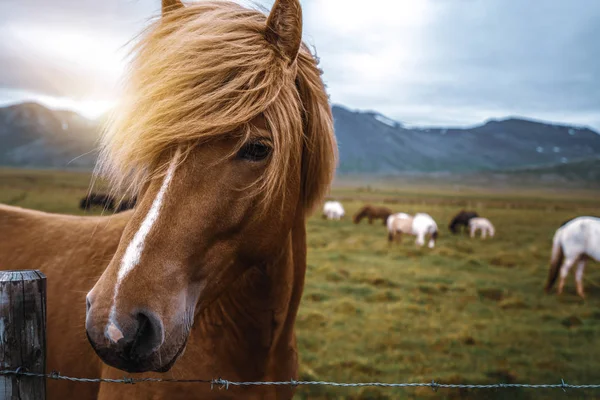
x: 204, y: 71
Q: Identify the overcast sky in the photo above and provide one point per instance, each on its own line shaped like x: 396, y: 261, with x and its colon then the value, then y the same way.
x: 421, y: 62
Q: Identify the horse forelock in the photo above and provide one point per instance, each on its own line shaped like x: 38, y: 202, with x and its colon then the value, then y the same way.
x: 206, y: 71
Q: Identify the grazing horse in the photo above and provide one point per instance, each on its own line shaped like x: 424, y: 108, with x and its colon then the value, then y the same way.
x: 573, y: 244
x: 107, y: 202
x: 333, y: 210
x: 398, y: 215
x: 397, y: 224
x: 126, y: 204
x: 421, y: 225
x: 569, y: 220
x: 483, y: 225
x: 461, y: 219
x: 372, y: 212
x: 225, y: 133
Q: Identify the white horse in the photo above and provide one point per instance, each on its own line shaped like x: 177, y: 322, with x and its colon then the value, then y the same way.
x: 421, y: 226
x: 333, y: 210
x: 424, y: 226
x: 481, y: 224
x: 392, y: 217
x: 573, y: 243
x: 397, y: 224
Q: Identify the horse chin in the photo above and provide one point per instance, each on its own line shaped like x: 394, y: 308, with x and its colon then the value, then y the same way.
x: 152, y: 363
x: 170, y: 364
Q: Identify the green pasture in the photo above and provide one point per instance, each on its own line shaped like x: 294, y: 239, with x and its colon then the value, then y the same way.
x: 467, y: 311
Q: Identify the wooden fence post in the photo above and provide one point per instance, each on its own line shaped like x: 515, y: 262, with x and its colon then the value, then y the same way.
x: 22, y: 334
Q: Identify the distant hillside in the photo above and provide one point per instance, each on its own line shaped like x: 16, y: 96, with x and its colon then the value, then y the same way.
x: 370, y: 144
x: 585, y: 170
x: 34, y: 136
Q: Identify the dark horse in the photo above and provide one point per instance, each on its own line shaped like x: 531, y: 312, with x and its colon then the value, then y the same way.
x: 372, y: 213
x: 126, y: 204
x: 462, y: 218
x: 107, y: 202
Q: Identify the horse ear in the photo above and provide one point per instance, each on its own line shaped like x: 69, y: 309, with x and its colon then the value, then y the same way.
x: 284, y: 28
x: 170, y: 5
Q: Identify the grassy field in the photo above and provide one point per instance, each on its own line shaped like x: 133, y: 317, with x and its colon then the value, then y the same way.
x: 467, y: 311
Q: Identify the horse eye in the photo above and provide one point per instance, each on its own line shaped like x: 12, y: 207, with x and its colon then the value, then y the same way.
x: 255, y: 151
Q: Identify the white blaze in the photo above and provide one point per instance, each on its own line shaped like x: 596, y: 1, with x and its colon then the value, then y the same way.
x: 133, y: 253
x: 136, y: 247
x: 113, y: 333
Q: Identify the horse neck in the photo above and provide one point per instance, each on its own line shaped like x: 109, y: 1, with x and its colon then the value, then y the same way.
x: 249, y: 330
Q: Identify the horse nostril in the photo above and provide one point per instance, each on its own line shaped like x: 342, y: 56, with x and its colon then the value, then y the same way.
x: 149, y: 335
x: 88, y: 304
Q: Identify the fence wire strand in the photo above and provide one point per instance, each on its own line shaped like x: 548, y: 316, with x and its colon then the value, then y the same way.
x: 225, y: 384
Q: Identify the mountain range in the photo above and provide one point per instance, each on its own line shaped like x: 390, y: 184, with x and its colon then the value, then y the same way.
x: 370, y: 143
x: 32, y: 135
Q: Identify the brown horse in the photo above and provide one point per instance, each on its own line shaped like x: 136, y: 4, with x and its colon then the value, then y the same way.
x: 372, y: 212
x: 226, y: 136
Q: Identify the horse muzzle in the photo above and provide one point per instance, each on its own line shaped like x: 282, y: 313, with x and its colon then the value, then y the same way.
x: 132, y: 342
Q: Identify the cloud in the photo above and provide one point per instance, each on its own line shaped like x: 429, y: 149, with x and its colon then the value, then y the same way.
x: 419, y: 61
x: 464, y: 60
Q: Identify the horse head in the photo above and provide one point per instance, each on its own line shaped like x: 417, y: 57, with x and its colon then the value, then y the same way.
x: 452, y: 226
x: 360, y: 214
x: 228, y: 141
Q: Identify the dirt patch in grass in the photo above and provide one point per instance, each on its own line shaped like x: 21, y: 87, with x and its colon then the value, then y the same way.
x: 572, y: 322
x: 316, y: 297
x: 491, y: 294
x: 512, y: 304
x: 469, y: 341
x: 506, y: 260
x: 383, y: 296
x: 427, y: 290
x: 378, y: 282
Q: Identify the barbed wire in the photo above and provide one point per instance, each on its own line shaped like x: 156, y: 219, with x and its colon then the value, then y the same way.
x: 225, y: 384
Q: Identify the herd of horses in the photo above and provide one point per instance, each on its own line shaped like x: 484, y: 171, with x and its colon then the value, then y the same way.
x: 421, y: 225
x: 575, y: 242
x: 224, y: 136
